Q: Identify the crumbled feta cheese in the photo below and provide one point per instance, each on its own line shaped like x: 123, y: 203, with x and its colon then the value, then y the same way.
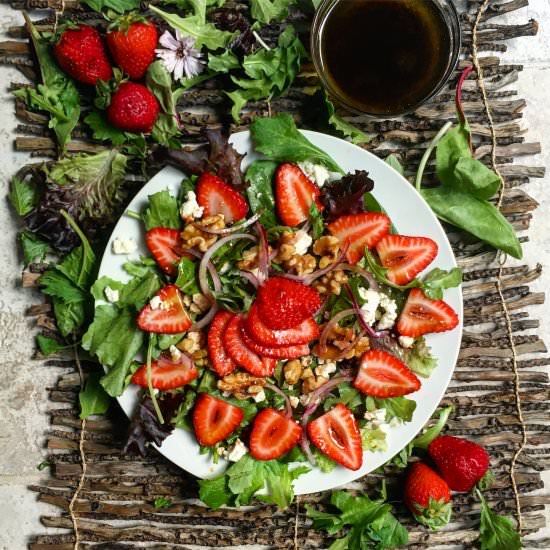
x: 190, y: 208
x: 175, y: 353
x: 156, y: 303
x: 377, y: 420
x: 226, y: 393
x: 302, y: 241
x: 406, y: 341
x: 294, y: 401
x: 387, y: 320
x: 326, y: 369
x: 259, y: 397
x: 237, y: 451
x: 304, y: 399
x: 372, y: 301
x: 396, y: 421
x: 111, y: 294
x: 222, y: 451
x: 315, y: 172
x: 124, y: 246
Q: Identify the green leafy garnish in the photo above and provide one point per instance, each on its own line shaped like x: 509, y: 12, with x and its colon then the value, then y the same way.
x: 279, y: 139
x: 316, y: 218
x: 57, y: 94
x: 162, y: 502
x: 397, y: 407
x: 48, y: 345
x: 259, y: 176
x: 104, y: 131
x: 393, y: 161
x: 43, y: 465
x: 187, y: 276
x: 93, y: 398
x: 344, y: 127
x: 496, y: 532
x: 23, y: 196
x: 419, y: 358
x: 422, y: 441
x: 224, y: 62
x: 119, y: 6
x: 162, y: 211
x: 266, y: 11
x: 34, y: 248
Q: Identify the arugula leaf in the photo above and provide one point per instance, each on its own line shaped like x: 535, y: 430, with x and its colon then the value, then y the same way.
x: 316, y: 218
x: 279, y: 480
x: 120, y: 6
x: 223, y: 63
x: 496, y: 532
x: 23, y: 196
x: 93, y: 399
x: 347, y: 395
x: 163, y: 211
x: 422, y: 441
x: 57, y: 94
x: 279, y: 139
x: 393, y: 161
x: 34, y: 248
x: 204, y: 33
x: 347, y: 129
x: 259, y: 176
x: 419, y: 358
x: 398, y: 407
x: 69, y: 317
x: 215, y: 492
x: 266, y: 11
x: 48, y: 345
x: 434, y: 282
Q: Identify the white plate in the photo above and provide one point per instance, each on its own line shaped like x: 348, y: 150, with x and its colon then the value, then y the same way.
x: 411, y: 215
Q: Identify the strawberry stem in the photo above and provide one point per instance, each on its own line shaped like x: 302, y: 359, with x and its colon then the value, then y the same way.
x: 150, y: 381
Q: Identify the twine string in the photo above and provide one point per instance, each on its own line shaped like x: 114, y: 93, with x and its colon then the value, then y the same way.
x: 57, y: 15
x: 502, y: 261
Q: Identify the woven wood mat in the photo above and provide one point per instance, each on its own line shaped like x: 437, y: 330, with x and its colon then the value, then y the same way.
x: 498, y: 372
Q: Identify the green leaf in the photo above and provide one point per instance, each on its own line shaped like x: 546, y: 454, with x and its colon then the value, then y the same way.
x: 434, y: 282
x: 323, y: 462
x: 347, y: 395
x: 48, y: 345
x: 93, y: 399
x: 95, y: 181
x: 360, y: 509
x: 57, y: 94
x: 476, y: 216
x: 316, y: 218
x: 223, y: 63
x: 120, y: 6
x: 452, y: 147
x: 387, y: 532
x: 422, y: 441
x: 204, y: 33
x: 373, y: 440
x: 279, y: 139
x: 69, y: 317
x: 162, y: 502
x: 259, y: 176
x: 472, y: 176
x: 419, y: 358
x: 34, y: 248
x: 214, y: 492
x: 399, y: 407
x: 393, y: 161
x: 43, y: 465
x: 163, y: 211
x: 496, y: 532
x: 114, y: 339
x: 187, y: 276
x: 104, y: 131
x: 266, y: 11
x: 345, y: 128
x: 57, y: 285
x: 23, y: 196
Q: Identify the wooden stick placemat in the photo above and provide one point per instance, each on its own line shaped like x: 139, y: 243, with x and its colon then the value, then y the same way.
x: 500, y: 395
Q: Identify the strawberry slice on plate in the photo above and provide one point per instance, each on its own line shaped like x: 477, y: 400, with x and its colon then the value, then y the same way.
x: 277, y: 352
x: 294, y: 194
x: 217, y: 197
x: 221, y: 361
x: 236, y: 348
x: 337, y: 436
x: 405, y: 257
x: 167, y: 374
x: 359, y: 231
x: 381, y: 374
x: 165, y: 247
x: 215, y: 419
x: 273, y: 435
x: 422, y: 315
x: 303, y: 333
x: 284, y: 303
x: 165, y: 313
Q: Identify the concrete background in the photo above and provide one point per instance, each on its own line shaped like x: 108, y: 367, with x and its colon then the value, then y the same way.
x: 23, y: 395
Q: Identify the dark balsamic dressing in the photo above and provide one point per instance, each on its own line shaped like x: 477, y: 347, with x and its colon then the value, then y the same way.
x: 383, y: 57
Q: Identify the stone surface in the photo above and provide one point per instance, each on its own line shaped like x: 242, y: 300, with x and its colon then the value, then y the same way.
x: 23, y: 383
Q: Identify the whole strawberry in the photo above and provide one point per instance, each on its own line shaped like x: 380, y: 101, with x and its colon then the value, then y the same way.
x: 427, y: 496
x: 133, y: 108
x: 132, y: 44
x: 81, y: 54
x: 461, y: 463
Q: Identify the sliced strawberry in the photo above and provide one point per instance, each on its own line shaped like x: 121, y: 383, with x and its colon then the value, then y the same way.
x: 422, y: 315
x: 277, y: 352
x: 217, y: 197
x: 336, y: 435
x: 304, y: 333
x: 222, y: 363
x: 381, y: 374
x: 165, y: 246
x: 169, y: 317
x: 284, y: 303
x: 244, y: 357
x: 294, y: 193
x: 273, y: 435
x: 215, y: 419
x: 167, y: 374
x: 360, y: 231
x: 405, y: 257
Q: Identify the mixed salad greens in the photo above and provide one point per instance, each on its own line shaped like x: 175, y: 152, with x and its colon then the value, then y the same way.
x: 283, y: 328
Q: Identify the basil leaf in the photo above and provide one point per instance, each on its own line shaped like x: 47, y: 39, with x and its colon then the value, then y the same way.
x: 279, y: 139
x: 93, y: 399
x: 23, y: 196
x: 266, y: 11
x: 438, y: 279
x: 34, y: 248
x: 163, y: 211
x: 259, y: 176
x: 476, y: 216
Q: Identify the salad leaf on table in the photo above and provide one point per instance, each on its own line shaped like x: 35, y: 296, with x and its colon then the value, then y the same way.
x: 496, y: 532
x: 93, y: 398
x: 48, y: 345
x: 23, y: 196
x: 34, y: 248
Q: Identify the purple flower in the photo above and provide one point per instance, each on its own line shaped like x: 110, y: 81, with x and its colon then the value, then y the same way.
x: 179, y: 56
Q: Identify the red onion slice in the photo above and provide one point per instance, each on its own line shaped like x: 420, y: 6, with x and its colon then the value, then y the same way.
x: 364, y: 273
x: 228, y: 230
x: 250, y: 277
x: 263, y: 254
x: 280, y: 392
x: 205, y: 319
